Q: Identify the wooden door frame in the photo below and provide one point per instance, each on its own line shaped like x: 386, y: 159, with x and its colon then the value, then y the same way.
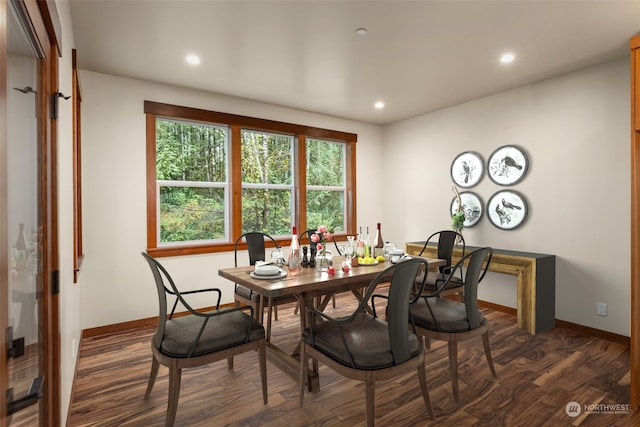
x: 634, y: 384
x: 45, y: 23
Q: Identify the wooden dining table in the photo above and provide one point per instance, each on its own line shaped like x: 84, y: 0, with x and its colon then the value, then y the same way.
x: 312, y: 288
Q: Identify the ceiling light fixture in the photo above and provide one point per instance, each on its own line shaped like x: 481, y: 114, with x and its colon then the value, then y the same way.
x: 193, y: 59
x: 379, y: 105
x: 361, y: 32
x: 507, y: 58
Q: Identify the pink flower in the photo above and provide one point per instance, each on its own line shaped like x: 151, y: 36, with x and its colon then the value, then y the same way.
x: 315, y: 238
x: 328, y: 236
x: 319, y: 246
x: 322, y: 228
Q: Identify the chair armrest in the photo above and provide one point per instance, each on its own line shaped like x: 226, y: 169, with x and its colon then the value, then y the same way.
x: 195, y: 291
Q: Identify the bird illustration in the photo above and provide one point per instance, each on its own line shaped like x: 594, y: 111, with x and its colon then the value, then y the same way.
x: 509, y: 161
x: 504, y: 217
x: 509, y: 205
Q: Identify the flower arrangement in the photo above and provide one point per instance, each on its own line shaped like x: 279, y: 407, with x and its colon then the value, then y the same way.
x: 457, y: 219
x: 320, y: 239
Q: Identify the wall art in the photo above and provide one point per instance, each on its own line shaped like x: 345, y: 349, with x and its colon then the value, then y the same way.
x: 507, y: 165
x: 467, y: 169
x: 507, y: 209
x: 471, y: 205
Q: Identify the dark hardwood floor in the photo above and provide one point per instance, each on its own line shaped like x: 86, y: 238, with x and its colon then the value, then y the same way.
x: 538, y: 376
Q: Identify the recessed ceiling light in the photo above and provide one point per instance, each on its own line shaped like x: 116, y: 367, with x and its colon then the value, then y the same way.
x: 379, y: 105
x: 507, y: 58
x: 361, y: 32
x: 193, y: 59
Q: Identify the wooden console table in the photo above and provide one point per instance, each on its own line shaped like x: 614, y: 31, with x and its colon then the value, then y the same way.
x: 536, y: 275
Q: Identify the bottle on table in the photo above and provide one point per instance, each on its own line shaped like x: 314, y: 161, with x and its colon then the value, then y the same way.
x: 360, y: 245
x: 295, y: 254
x: 378, y: 243
x: 367, y: 244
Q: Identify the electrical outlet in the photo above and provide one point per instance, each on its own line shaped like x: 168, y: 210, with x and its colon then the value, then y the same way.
x: 602, y: 309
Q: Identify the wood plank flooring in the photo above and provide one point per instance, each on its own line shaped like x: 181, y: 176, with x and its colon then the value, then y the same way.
x: 537, y: 377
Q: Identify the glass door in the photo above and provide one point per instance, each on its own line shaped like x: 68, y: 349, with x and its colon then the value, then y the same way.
x: 24, y: 219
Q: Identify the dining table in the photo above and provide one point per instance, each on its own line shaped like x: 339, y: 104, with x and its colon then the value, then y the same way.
x: 312, y: 288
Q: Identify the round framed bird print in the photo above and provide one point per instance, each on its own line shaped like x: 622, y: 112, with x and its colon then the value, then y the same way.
x: 471, y: 205
x: 507, y: 209
x: 507, y: 165
x: 467, y: 169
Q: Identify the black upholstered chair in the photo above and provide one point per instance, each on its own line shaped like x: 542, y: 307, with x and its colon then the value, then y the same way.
x: 446, y: 242
x: 198, y: 338
x: 256, y: 249
x: 452, y: 321
x: 364, y: 347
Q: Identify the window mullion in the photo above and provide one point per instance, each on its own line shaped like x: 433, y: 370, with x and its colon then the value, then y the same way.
x: 236, y: 181
x: 300, y: 193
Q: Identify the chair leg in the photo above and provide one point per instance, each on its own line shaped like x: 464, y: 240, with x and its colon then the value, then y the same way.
x: 453, y: 367
x: 333, y: 300
x: 304, y: 368
x: 275, y: 312
x: 262, y: 361
x: 174, y: 393
x: 152, y: 376
x: 487, y: 352
x: 422, y: 376
x: 370, y: 398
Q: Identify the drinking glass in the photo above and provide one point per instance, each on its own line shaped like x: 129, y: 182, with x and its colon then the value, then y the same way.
x: 277, y: 257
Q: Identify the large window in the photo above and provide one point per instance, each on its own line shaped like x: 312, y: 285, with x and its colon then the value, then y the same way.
x: 213, y: 176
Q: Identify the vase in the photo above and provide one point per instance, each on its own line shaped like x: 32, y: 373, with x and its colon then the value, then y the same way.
x: 324, y: 259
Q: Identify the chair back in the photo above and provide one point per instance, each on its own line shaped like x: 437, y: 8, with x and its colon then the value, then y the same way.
x: 446, y: 242
x: 160, y: 274
x: 400, y: 290
x: 255, y: 246
x: 478, y: 263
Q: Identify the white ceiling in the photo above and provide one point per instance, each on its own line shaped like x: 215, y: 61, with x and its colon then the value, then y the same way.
x: 418, y: 56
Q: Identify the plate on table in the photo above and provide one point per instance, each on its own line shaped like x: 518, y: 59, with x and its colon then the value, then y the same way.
x: 278, y: 275
x: 367, y: 265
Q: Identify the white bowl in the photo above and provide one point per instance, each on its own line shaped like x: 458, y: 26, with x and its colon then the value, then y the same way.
x: 267, y: 270
x: 396, y: 252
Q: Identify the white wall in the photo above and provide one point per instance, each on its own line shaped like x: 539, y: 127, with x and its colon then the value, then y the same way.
x: 575, y: 129
x: 117, y: 285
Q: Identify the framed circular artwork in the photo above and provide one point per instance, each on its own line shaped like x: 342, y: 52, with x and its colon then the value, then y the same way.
x: 507, y: 209
x: 467, y: 169
x: 507, y: 165
x: 471, y: 205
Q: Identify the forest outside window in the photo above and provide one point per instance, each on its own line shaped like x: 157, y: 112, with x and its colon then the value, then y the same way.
x: 213, y: 176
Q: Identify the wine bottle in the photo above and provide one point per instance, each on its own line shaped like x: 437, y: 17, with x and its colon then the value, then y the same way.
x: 21, y: 243
x: 378, y: 243
x: 295, y: 255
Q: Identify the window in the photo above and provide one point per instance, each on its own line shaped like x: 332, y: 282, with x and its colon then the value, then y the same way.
x: 191, y: 175
x: 212, y: 176
x: 326, y: 189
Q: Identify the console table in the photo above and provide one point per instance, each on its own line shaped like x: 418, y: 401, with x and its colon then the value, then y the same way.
x: 536, y: 275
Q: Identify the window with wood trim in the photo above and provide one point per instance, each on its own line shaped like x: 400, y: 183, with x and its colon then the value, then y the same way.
x: 213, y: 176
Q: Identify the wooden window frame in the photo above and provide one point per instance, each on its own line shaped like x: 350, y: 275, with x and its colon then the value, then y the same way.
x: 236, y: 123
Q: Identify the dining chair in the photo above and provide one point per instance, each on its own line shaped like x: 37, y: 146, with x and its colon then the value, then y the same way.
x: 446, y: 240
x: 448, y: 320
x: 198, y: 338
x: 363, y: 346
x: 256, y: 249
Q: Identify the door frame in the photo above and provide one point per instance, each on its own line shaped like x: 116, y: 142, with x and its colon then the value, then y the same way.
x: 45, y: 24
x: 634, y: 384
